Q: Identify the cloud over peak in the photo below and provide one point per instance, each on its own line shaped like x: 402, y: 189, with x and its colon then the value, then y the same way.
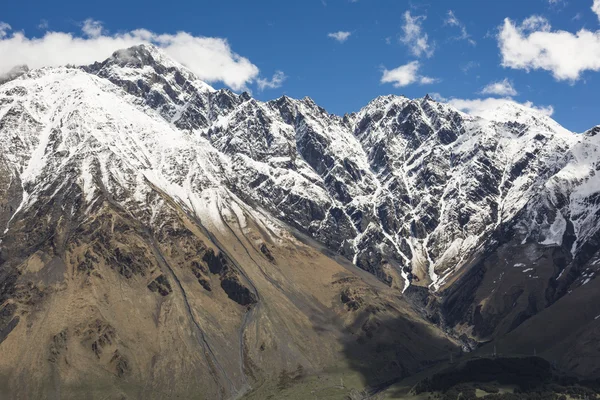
x: 482, y: 107
x: 211, y: 59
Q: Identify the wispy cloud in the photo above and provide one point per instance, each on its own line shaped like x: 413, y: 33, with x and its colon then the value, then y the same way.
x: 413, y: 36
x: 469, y: 66
x: 92, y: 29
x: 340, y: 36
x: 4, y: 29
x: 275, y: 82
x: 452, y: 20
x: 406, y: 75
x: 557, y: 3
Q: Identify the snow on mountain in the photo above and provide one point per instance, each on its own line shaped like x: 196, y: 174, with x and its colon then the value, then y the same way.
x: 409, y: 190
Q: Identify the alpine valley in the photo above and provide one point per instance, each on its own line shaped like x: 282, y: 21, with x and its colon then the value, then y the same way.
x: 162, y: 239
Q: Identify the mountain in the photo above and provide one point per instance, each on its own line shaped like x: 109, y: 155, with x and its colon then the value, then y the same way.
x: 163, y: 238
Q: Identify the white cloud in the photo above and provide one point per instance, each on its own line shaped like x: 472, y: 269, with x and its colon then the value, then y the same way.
x: 92, y: 28
x: 275, y: 82
x: 426, y: 80
x: 596, y: 8
x: 451, y: 20
x: 211, y: 59
x: 414, y: 37
x: 340, y: 36
x: 469, y: 66
x: 481, y: 107
x: 438, y: 97
x: 406, y: 75
x: 4, y: 28
x: 500, y: 88
x: 533, y: 45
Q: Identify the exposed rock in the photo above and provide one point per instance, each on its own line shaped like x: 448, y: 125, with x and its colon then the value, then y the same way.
x: 58, y: 345
x: 97, y: 335
x: 237, y: 292
x: 161, y: 285
x: 352, y: 299
x: 120, y: 364
x: 265, y: 251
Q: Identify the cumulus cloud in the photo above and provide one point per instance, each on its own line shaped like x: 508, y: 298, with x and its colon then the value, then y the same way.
x: 211, y: 59
x: 414, y: 37
x: 406, y: 75
x: 500, y: 88
x: 275, y: 82
x: 596, y: 8
x: 452, y: 20
x: 534, y: 45
x: 340, y: 36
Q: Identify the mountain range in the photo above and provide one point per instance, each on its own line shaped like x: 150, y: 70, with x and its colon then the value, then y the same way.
x: 162, y: 238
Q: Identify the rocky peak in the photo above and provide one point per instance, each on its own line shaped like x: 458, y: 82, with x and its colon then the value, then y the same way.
x: 13, y: 73
x: 592, y: 132
x: 139, y: 56
x: 145, y: 71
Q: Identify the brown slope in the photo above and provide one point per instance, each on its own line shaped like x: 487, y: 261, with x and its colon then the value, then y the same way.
x: 97, y: 302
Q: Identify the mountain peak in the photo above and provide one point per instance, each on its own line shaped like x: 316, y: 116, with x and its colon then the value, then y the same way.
x: 592, y: 132
x: 142, y: 55
x: 145, y: 62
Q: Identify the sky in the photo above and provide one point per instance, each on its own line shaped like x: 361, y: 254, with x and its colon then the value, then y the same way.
x: 473, y: 54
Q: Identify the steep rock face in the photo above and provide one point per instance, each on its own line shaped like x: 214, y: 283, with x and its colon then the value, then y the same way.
x: 406, y: 189
x: 543, y: 261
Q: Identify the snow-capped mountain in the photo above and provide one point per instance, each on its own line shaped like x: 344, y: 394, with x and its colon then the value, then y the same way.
x: 404, y: 187
x: 136, y: 166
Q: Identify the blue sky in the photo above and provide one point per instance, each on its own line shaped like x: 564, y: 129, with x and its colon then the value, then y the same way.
x: 538, y: 56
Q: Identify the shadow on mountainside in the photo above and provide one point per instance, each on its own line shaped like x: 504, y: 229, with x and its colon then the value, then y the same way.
x: 385, y: 349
